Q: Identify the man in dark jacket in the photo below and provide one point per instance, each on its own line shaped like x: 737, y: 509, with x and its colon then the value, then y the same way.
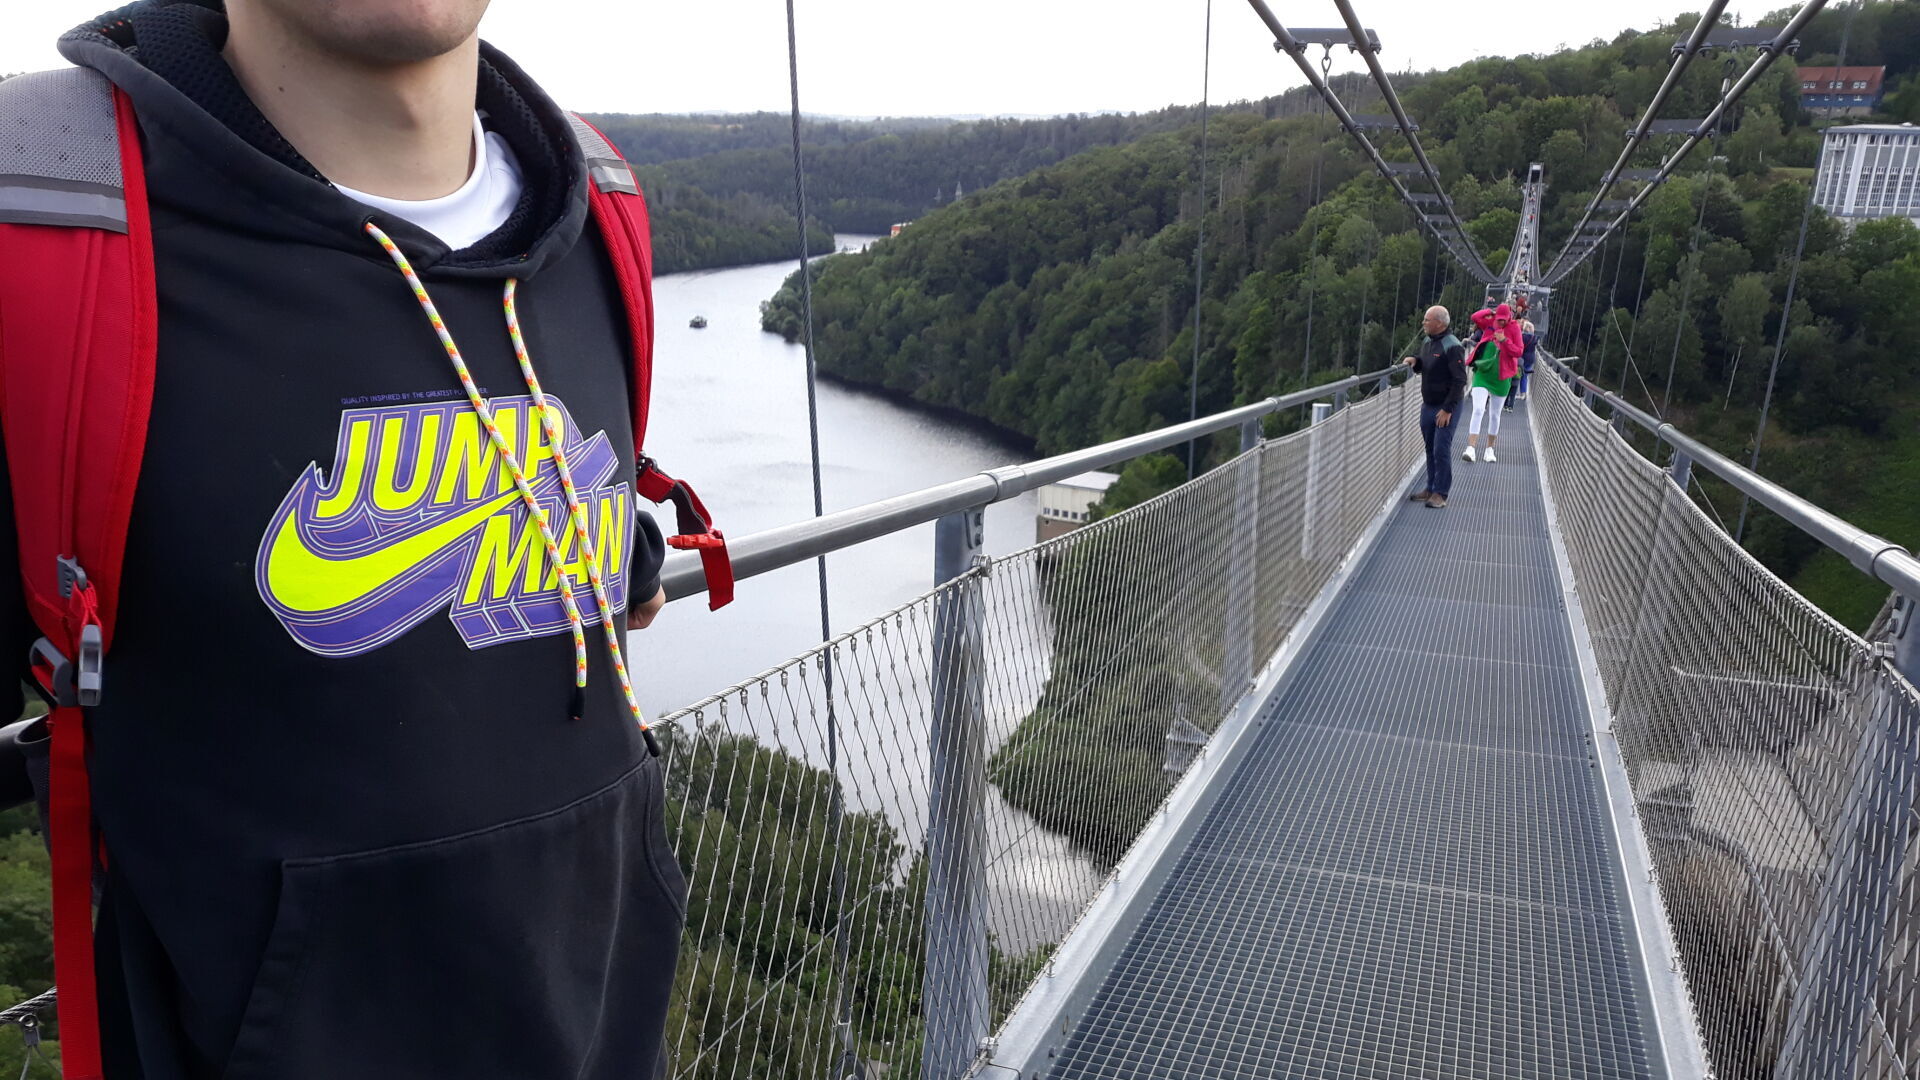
x: 1442, y: 363
x: 357, y: 822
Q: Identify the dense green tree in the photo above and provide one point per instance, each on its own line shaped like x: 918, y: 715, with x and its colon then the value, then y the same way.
x: 1743, y: 309
x: 1756, y: 146
x: 1874, y: 244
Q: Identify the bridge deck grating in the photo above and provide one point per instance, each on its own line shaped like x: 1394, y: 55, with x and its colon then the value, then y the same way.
x: 1409, y: 872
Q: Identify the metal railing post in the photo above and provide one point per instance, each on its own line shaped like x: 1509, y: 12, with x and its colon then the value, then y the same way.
x: 954, y: 990
x: 1243, y: 566
x: 1906, y: 638
x: 1310, y: 510
x: 1681, y: 469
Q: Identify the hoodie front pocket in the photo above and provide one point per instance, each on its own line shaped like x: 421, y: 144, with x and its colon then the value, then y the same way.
x: 544, y: 947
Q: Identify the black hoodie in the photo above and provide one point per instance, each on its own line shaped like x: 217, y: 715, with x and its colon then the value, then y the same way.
x: 352, y: 828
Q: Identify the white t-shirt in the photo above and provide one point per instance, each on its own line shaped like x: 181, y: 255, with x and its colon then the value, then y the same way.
x: 481, y: 205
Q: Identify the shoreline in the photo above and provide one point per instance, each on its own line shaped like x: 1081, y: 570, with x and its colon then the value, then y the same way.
x: 979, y: 425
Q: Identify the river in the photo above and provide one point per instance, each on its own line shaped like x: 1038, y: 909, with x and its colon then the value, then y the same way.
x: 730, y: 415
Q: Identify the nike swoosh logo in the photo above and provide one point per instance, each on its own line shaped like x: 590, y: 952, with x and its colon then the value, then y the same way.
x: 309, y: 583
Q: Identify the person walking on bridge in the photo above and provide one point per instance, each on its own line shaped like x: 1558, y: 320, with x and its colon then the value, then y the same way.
x: 1495, y: 363
x: 1531, y: 353
x: 1441, y: 362
x: 373, y: 797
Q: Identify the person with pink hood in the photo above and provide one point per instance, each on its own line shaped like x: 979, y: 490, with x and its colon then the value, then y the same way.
x: 1495, y: 362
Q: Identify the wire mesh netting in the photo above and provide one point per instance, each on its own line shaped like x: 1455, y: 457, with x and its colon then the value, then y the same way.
x: 887, y: 837
x: 1771, y: 755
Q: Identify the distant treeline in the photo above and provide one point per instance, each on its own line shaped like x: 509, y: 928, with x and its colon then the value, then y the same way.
x: 721, y: 187
x: 656, y: 138
x: 697, y: 230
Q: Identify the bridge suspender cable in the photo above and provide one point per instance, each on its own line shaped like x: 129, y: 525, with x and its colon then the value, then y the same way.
x: 1683, y: 57
x: 1688, y: 268
x: 1366, y: 288
x: 1613, y: 297
x: 1786, y: 310
x: 1286, y: 42
x: 842, y: 1008
x: 1372, y: 59
x: 1639, y: 294
x: 1200, y: 235
x: 1313, y: 238
x: 1769, y: 53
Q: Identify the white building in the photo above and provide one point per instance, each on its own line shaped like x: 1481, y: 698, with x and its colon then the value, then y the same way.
x: 1869, y: 171
x: 1067, y: 505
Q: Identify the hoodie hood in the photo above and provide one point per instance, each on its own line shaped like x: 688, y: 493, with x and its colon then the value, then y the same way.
x: 1507, y: 337
x: 216, y: 155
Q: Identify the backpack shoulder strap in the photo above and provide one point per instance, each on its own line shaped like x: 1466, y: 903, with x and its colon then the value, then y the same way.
x: 620, y: 212
x: 78, y: 330
x: 78, y: 333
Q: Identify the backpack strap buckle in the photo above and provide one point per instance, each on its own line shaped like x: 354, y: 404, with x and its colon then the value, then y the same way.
x: 66, y: 682
x: 72, y: 577
x: 696, y: 528
x: 71, y: 682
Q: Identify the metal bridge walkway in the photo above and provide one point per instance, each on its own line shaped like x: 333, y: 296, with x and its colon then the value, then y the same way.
x: 1411, y: 872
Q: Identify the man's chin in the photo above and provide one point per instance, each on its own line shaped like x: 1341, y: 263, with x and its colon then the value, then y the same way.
x: 379, y: 33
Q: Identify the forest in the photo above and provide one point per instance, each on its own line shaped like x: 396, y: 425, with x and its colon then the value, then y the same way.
x: 721, y: 187
x: 1059, y: 305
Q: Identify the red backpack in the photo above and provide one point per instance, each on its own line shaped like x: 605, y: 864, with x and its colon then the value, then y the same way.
x: 78, y: 335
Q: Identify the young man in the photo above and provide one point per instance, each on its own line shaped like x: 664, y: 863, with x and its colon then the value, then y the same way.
x: 1441, y: 362
x: 356, y: 819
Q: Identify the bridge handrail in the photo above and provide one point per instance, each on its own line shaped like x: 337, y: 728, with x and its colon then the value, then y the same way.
x: 1874, y: 555
x: 785, y: 545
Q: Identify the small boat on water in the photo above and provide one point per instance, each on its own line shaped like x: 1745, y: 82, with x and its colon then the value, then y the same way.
x: 699, y: 322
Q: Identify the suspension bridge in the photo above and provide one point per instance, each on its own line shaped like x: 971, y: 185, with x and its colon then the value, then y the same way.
x: 1557, y: 781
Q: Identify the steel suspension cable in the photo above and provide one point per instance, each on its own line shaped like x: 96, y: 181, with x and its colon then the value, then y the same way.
x: 1372, y: 60
x: 1682, y: 59
x: 1285, y: 42
x: 1633, y: 368
x: 1200, y: 237
x: 1366, y: 288
x: 1590, y: 324
x: 842, y: 1014
x: 1399, y: 291
x: 1786, y: 309
x: 1639, y: 292
x: 1313, y: 256
x: 1689, y: 270
x: 1768, y: 54
x: 1613, y: 297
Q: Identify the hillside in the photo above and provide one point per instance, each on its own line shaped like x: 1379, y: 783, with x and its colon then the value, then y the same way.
x: 1059, y: 305
x: 721, y: 187
x: 656, y: 138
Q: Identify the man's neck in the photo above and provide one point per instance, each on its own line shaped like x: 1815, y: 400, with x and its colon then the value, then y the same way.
x: 400, y: 131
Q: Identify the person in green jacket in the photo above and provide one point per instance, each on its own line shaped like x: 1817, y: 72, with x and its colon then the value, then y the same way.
x: 1494, y: 362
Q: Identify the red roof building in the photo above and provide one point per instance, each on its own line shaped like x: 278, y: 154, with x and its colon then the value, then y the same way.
x: 1842, y: 91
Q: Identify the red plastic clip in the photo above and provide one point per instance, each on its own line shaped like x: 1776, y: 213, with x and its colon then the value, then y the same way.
x: 697, y: 541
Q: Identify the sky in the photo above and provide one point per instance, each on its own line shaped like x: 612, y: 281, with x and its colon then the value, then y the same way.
x: 918, y: 58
